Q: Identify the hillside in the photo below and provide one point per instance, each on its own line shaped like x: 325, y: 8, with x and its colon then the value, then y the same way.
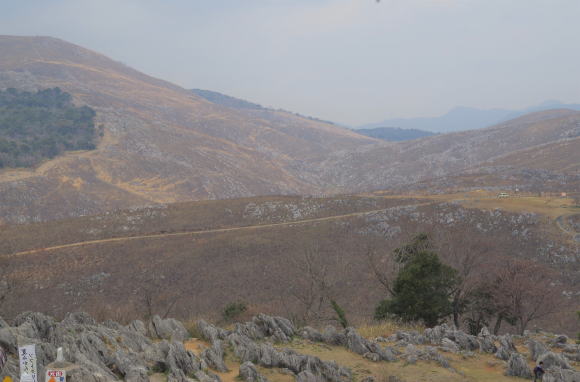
x: 400, y: 165
x: 394, y: 134
x: 161, y: 142
x: 165, y: 144
x: 256, y: 250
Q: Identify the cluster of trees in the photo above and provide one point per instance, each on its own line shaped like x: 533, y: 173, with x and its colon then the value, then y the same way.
x: 41, y: 125
x: 473, y: 292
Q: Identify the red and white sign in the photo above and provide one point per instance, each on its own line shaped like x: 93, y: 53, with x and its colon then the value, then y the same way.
x: 55, y: 375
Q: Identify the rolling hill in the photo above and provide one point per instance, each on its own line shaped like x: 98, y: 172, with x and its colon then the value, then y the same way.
x: 402, y: 164
x: 164, y: 144
x: 467, y: 118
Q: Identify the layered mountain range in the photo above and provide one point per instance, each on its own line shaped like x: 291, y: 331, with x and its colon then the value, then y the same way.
x: 463, y: 118
x: 163, y: 143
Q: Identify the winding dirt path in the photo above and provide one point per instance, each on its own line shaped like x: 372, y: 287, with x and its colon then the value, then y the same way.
x: 199, y: 232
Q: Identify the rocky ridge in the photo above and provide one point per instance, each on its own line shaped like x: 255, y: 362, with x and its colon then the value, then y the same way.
x: 109, y: 351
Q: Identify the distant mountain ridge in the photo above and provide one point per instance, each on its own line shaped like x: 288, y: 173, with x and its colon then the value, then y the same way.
x: 242, y: 104
x: 226, y: 100
x: 395, y: 134
x: 467, y: 118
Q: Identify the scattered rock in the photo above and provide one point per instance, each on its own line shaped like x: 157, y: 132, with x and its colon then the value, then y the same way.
x: 168, y: 329
x: 486, y: 341
x: 436, y: 334
x: 443, y: 335
x: 429, y: 353
x: 333, y: 337
x: 405, y: 338
x: 355, y: 343
x: 278, y: 328
x: 210, y: 332
x: 249, y: 373
x: 306, y: 376
x: 536, y: 349
x: 266, y: 355
x: 99, y: 352
x: 561, y: 339
x: 311, y: 334
x: 372, y: 356
x: 506, y: 347
x: 449, y: 346
x: 518, y: 367
x: 138, y: 327
x: 561, y: 375
x: 551, y: 359
x: 214, y: 357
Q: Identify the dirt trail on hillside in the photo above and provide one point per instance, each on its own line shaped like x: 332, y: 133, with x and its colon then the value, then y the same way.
x: 199, y: 232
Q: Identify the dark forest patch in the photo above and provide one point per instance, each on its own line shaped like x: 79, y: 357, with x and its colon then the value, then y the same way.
x: 42, y: 125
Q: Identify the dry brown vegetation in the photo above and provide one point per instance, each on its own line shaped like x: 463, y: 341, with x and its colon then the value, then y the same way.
x: 293, y: 253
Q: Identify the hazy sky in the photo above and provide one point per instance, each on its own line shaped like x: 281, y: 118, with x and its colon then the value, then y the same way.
x: 350, y: 61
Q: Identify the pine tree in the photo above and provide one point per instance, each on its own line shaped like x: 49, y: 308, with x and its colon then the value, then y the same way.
x: 423, y: 287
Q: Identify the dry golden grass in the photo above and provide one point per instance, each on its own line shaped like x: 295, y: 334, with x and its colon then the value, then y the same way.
x: 481, y: 367
x: 551, y: 207
x: 373, y: 329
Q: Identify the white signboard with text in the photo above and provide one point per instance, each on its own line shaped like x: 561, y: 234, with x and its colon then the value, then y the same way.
x: 27, y: 355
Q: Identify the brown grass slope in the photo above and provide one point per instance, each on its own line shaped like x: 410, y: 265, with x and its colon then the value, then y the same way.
x: 518, y: 143
x: 188, y: 253
x: 552, y: 167
x: 560, y: 157
x: 162, y: 143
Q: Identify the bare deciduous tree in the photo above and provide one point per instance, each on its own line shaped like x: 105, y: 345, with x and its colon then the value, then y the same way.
x: 469, y: 256
x: 527, y: 289
x: 159, y: 291
x: 314, y: 288
x: 311, y: 289
x: 384, y: 268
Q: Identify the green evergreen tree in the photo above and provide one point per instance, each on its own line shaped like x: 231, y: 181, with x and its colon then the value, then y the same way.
x: 423, y: 287
x: 340, y: 315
